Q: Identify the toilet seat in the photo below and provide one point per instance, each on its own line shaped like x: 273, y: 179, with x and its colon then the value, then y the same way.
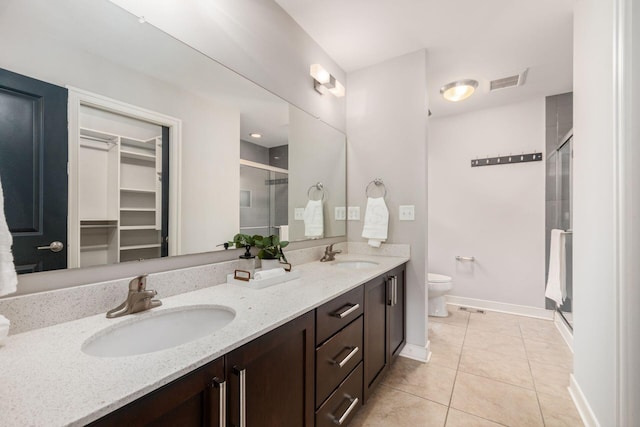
x: 437, y: 278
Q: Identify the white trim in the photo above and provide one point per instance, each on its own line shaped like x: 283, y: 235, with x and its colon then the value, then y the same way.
x: 564, y: 330
x: 522, y: 310
x: 78, y: 97
x: 263, y: 166
x: 417, y: 352
x: 582, y: 405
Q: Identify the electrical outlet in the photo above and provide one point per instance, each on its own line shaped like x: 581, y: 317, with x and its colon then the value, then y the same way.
x: 340, y: 213
x: 407, y: 213
x: 298, y: 214
x: 353, y: 213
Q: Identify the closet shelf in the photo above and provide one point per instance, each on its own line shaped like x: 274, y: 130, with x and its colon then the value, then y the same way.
x: 94, y: 247
x: 137, y: 209
x: 149, y: 144
x: 138, y: 156
x: 137, y: 227
x: 134, y: 247
x: 136, y: 190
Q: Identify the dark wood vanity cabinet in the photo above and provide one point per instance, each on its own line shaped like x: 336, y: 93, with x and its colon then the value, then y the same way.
x: 192, y: 400
x: 384, y: 325
x: 271, y: 381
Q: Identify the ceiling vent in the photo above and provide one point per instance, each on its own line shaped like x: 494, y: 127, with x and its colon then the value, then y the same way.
x: 511, y: 81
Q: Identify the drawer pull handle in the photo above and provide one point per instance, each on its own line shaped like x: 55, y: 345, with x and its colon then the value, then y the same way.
x: 242, y: 373
x: 344, y: 361
x: 354, y: 402
x: 345, y: 313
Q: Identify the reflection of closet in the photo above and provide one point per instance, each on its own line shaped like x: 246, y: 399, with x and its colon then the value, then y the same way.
x: 120, y: 188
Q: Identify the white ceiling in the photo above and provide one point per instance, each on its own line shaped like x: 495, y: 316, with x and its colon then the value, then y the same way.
x: 478, y: 39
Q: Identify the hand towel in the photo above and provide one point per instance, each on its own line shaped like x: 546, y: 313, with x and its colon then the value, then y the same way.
x: 376, y: 221
x: 313, y: 220
x: 4, y: 328
x: 268, y: 274
x: 8, y: 277
x: 556, y: 281
x: 284, y: 232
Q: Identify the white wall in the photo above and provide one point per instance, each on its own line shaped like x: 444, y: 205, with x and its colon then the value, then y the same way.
x: 255, y: 38
x: 387, y: 130
x: 493, y: 213
x: 594, y: 339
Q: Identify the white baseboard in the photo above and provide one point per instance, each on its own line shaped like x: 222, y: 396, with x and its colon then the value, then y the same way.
x: 588, y: 417
x: 566, y: 333
x: 502, y: 307
x: 417, y: 352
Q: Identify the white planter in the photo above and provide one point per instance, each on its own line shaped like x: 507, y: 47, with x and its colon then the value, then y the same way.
x: 269, y: 264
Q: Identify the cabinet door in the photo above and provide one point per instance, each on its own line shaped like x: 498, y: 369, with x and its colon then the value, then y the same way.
x: 193, y: 400
x: 396, y: 308
x: 271, y: 379
x: 376, y: 353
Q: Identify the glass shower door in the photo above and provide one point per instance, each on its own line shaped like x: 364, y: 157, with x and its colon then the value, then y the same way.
x: 564, y: 218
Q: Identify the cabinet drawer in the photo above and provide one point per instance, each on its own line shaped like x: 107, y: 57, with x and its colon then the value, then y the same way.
x: 336, y: 358
x: 344, y: 403
x: 338, y: 313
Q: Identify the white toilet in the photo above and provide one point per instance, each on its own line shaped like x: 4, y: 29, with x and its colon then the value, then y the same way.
x: 439, y: 285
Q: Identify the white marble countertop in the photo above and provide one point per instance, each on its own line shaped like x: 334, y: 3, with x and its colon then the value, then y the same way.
x: 46, y: 380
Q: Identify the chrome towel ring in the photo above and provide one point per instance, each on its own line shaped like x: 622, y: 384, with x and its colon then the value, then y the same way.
x: 317, y: 187
x: 377, y: 183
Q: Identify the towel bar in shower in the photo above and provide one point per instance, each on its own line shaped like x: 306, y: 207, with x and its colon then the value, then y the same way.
x: 465, y: 258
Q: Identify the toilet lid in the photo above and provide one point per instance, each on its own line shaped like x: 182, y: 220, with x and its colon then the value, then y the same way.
x: 438, y: 278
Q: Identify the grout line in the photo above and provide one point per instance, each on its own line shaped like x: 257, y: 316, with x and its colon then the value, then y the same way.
x: 533, y: 379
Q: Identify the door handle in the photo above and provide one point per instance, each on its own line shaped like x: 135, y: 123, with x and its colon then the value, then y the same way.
x: 222, y: 400
x: 53, y: 247
x: 241, y: 373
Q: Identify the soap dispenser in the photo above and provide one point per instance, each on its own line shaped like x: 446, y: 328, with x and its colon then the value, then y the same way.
x: 249, y: 261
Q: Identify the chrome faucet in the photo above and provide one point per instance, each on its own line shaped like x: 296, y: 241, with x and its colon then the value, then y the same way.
x: 329, y: 254
x: 139, y: 299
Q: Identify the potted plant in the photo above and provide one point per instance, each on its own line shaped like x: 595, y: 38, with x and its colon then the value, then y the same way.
x: 270, y: 248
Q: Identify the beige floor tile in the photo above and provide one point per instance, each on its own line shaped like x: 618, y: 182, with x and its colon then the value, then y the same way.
x: 456, y: 317
x: 557, y: 354
x: 425, y: 380
x: 550, y: 379
x: 559, y: 412
x: 450, y: 334
x: 446, y: 355
x: 496, y: 366
x: 457, y: 418
x: 496, y: 401
x: 495, y: 322
x: 542, y: 331
x: 500, y: 343
x: 390, y: 407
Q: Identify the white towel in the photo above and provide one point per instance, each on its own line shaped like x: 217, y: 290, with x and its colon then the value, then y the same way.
x: 8, y: 277
x: 376, y: 222
x: 284, y: 232
x: 268, y: 274
x: 4, y: 328
x: 556, y: 281
x: 313, y: 220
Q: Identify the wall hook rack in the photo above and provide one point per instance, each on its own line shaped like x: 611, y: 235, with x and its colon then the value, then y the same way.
x: 505, y: 160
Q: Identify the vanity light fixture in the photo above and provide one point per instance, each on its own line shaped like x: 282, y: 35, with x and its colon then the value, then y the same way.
x: 255, y: 135
x: 323, y: 81
x: 458, y: 90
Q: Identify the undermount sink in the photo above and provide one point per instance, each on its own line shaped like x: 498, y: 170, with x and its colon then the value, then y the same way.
x: 158, y: 331
x: 355, y: 264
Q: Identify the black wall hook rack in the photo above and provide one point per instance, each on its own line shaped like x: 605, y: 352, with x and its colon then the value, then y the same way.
x: 506, y: 160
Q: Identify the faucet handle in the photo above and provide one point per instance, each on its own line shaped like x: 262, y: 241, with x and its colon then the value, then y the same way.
x: 329, y: 248
x: 139, y: 283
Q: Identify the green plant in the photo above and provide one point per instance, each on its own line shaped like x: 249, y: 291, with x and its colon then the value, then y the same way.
x: 243, y: 240
x: 270, y: 247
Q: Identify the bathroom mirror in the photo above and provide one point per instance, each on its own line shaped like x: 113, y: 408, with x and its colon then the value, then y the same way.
x: 103, y: 51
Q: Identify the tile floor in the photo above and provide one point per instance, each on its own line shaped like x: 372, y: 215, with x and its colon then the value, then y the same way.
x: 486, y: 370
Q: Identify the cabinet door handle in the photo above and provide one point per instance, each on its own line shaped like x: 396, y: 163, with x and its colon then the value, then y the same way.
x: 222, y: 400
x: 241, y: 373
x: 354, y: 402
x: 344, y: 361
x: 345, y: 313
x: 393, y: 297
x: 395, y: 290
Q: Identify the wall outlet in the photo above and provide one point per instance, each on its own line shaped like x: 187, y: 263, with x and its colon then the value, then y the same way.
x: 298, y: 214
x: 353, y: 213
x: 340, y: 213
x: 407, y: 213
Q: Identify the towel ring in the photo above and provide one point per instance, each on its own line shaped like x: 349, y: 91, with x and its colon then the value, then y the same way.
x: 318, y: 187
x: 376, y: 183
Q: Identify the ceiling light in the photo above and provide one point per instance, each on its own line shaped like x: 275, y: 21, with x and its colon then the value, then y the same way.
x: 255, y: 135
x: 323, y: 81
x: 458, y: 90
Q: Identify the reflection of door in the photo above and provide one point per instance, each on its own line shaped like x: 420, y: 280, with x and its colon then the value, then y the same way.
x: 33, y: 169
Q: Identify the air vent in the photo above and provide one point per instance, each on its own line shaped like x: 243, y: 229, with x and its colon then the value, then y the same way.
x: 511, y: 81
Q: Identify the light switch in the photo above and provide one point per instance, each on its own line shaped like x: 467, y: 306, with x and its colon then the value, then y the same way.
x: 340, y: 213
x: 354, y: 213
x: 298, y: 214
x: 407, y: 213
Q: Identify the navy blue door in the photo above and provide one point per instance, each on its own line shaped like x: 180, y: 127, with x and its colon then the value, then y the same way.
x: 33, y: 170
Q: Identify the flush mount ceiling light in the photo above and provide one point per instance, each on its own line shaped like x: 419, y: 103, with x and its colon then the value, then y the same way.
x: 323, y: 81
x: 458, y: 90
x: 255, y: 135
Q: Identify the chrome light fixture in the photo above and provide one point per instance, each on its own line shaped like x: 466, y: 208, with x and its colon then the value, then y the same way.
x: 323, y: 81
x: 458, y: 90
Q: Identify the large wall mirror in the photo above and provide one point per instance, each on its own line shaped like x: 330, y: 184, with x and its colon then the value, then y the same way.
x: 162, y: 144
